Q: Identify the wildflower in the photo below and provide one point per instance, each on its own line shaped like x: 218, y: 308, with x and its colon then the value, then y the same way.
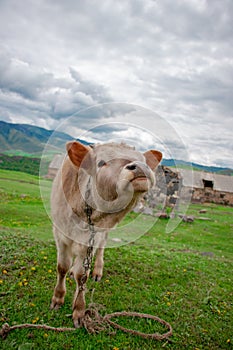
x: 35, y: 320
x: 168, y: 303
x: 228, y: 341
x: 184, y: 270
x: 49, y: 271
x: 45, y: 257
x: 107, y: 281
x: 4, y: 272
x: 1, y: 281
x: 46, y: 335
x: 23, y: 283
x: 69, y: 280
x: 33, y: 268
x: 115, y: 348
x: 32, y: 304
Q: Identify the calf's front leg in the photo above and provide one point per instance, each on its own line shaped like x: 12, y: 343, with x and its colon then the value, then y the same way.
x: 78, y: 272
x: 99, y: 265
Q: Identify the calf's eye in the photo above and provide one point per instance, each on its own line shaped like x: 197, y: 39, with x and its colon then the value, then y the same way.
x: 101, y: 163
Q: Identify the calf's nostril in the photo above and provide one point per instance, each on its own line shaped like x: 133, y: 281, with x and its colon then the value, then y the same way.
x: 131, y: 167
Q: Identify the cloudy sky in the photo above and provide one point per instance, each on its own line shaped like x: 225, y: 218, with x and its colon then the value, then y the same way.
x: 172, y: 57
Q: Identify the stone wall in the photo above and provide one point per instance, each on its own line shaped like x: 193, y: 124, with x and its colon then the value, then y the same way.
x: 208, y: 195
x: 166, y: 191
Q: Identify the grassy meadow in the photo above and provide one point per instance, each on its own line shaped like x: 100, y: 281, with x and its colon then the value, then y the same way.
x: 184, y: 277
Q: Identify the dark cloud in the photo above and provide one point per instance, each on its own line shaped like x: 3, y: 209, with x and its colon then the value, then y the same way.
x: 25, y: 88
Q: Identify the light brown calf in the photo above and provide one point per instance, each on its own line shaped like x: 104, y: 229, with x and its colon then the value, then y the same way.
x: 110, y: 178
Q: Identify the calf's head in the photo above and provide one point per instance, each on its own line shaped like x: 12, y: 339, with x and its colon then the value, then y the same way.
x: 118, y: 174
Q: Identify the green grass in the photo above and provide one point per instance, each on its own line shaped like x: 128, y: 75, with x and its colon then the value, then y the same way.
x: 21, y: 204
x: 13, y: 152
x: 184, y: 277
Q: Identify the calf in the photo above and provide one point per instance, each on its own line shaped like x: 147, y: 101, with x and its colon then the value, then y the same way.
x: 109, y: 179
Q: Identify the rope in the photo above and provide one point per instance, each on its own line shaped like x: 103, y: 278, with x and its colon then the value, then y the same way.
x: 95, y: 323
x: 6, y: 328
x: 155, y: 336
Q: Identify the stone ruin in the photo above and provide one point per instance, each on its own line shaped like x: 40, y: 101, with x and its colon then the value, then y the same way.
x: 164, y: 195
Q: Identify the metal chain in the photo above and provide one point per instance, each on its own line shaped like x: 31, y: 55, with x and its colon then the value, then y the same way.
x: 88, y: 259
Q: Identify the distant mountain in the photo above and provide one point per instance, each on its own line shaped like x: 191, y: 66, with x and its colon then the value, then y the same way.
x: 24, y: 139
x: 20, y: 138
x: 195, y: 166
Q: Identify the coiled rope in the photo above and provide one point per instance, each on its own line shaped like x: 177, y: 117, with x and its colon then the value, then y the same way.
x: 94, y: 323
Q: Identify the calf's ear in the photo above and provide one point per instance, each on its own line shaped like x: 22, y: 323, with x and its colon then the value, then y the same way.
x: 153, y: 158
x: 79, y: 154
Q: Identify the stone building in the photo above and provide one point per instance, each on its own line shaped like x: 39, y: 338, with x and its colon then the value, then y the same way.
x: 177, y: 186
x: 167, y: 189
x: 54, y: 166
x: 208, y: 187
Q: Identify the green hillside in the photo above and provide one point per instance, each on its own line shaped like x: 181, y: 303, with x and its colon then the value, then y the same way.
x: 20, y: 163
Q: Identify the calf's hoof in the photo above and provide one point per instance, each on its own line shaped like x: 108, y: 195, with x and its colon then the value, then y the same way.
x: 56, y: 303
x: 78, y: 318
x: 97, y: 274
x: 96, y: 278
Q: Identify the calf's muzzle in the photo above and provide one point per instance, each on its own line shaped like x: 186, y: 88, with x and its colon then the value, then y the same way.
x: 139, y: 169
